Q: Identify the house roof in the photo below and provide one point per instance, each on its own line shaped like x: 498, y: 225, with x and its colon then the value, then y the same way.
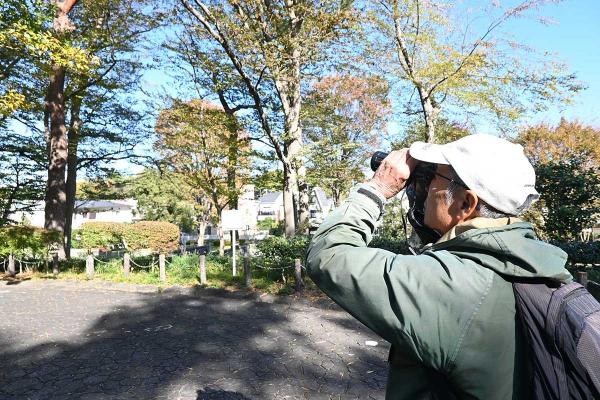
x: 97, y: 205
x: 269, y: 197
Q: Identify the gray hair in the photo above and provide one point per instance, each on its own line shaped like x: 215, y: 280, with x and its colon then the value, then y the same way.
x: 483, y: 208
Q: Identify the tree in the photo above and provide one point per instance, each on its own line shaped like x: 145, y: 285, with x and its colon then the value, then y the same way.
x: 105, y: 123
x: 569, y: 197
x: 26, y: 43
x: 207, y: 148
x: 21, y: 177
x: 343, y: 119
x: 445, y: 132
x: 568, y: 140
x: 430, y: 49
x: 56, y: 133
x: 268, y: 47
x: 567, y: 161
x: 165, y: 196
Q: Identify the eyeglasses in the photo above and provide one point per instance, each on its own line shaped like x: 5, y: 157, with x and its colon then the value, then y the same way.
x: 449, y: 180
x: 425, y: 173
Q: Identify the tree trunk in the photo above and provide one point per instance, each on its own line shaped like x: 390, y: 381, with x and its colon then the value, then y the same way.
x: 430, y: 113
x: 71, y: 184
x: 221, y: 242
x: 201, y: 230
x: 289, y: 182
x: 55, y: 198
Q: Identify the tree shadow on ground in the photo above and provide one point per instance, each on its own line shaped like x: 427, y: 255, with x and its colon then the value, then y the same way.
x: 208, y: 344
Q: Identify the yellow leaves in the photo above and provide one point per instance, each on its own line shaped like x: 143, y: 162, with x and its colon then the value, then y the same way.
x: 10, y: 102
x: 45, y: 48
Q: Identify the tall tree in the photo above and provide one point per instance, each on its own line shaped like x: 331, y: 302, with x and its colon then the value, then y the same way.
x: 270, y: 46
x: 208, y: 148
x: 441, y: 62
x: 105, y: 122
x: 343, y: 119
x: 56, y: 132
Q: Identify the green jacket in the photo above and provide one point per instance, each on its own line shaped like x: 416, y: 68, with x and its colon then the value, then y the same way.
x: 448, y: 312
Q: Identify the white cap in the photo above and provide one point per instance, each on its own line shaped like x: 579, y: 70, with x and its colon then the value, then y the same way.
x: 495, y: 169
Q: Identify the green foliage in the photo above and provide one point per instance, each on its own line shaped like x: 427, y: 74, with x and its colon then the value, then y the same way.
x: 343, y: 117
x: 569, y: 197
x: 164, y: 196
x: 395, y: 245
x: 159, y: 236
x: 266, y: 224
x: 580, y: 252
x: 93, y: 235
x: 391, y: 227
x: 26, y: 241
x: 280, y: 252
x: 445, y: 132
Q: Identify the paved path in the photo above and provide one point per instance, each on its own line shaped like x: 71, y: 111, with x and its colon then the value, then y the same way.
x: 82, y: 340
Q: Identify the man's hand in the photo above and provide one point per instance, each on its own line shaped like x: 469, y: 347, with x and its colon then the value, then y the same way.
x: 392, y: 174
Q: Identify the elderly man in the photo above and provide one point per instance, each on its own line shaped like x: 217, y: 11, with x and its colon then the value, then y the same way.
x: 449, y: 312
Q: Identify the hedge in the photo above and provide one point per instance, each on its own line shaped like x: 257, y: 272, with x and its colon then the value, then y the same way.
x: 26, y: 241
x: 155, y: 235
x: 580, y: 252
x: 159, y: 236
x: 279, y: 252
x: 93, y: 235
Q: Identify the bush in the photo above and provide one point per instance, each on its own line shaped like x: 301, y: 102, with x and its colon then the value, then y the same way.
x: 580, y: 252
x: 94, y: 235
x: 280, y: 252
x: 159, y: 236
x: 394, y: 245
x: 26, y: 241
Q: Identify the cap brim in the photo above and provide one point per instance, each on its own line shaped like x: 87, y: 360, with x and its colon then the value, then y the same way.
x: 428, y: 152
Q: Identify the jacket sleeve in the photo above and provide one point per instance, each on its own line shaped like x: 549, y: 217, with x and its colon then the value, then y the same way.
x: 413, y: 302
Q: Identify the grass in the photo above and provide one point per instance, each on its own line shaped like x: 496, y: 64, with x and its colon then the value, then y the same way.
x: 180, y: 270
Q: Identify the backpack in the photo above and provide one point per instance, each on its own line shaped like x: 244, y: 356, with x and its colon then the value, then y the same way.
x: 562, y: 328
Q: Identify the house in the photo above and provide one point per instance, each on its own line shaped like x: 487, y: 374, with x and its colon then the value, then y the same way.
x: 105, y: 211
x: 319, y: 206
x: 270, y: 205
x: 85, y: 211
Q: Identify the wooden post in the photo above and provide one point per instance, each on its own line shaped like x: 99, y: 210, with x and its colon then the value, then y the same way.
x: 298, y: 273
x: 247, y: 271
x: 11, y: 265
x: 55, y: 264
x: 202, y: 269
x: 582, y: 278
x: 89, y: 266
x: 161, y: 266
x: 233, y: 232
x: 126, y: 264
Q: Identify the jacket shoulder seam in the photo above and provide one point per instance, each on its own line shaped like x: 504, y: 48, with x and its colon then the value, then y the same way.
x: 457, y: 348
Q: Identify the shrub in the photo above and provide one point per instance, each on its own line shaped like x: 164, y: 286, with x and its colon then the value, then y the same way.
x: 93, y: 235
x: 159, y: 236
x: 580, y: 252
x: 394, y: 245
x: 28, y: 241
x: 280, y: 252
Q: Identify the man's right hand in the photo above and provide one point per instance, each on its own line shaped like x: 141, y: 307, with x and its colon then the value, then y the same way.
x: 392, y: 174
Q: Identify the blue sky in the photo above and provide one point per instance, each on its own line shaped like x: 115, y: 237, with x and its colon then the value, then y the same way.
x: 575, y: 38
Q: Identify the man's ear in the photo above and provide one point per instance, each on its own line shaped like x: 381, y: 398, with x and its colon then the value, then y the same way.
x: 469, y: 205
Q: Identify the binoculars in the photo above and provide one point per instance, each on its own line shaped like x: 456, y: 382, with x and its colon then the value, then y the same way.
x: 377, y: 158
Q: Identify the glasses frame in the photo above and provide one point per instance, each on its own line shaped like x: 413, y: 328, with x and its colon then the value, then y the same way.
x: 450, y: 180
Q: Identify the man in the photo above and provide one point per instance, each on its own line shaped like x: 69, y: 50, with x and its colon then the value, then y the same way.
x: 449, y: 312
